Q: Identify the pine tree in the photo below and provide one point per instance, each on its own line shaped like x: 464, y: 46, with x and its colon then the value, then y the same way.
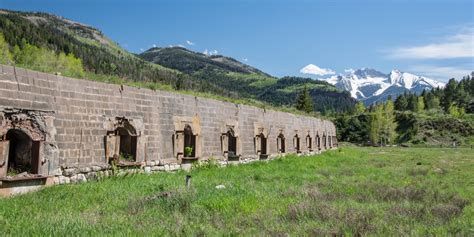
x: 401, y: 103
x: 359, y: 108
x: 420, y: 104
x: 304, y: 102
x: 449, y: 94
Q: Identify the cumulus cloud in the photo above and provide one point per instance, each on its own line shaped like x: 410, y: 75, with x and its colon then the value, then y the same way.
x: 245, y: 59
x: 154, y: 45
x: 190, y: 42
x: 441, y: 73
x: 210, y: 52
x: 315, y: 70
x: 460, y: 45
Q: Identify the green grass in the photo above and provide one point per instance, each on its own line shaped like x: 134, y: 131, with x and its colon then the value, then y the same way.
x: 368, y: 191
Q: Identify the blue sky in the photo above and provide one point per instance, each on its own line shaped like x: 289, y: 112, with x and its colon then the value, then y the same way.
x: 434, y: 38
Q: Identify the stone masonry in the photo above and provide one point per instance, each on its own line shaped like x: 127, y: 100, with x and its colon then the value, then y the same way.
x: 77, y: 124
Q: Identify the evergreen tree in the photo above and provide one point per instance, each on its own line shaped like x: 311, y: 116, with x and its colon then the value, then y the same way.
x: 401, y: 103
x: 449, y: 94
x: 304, y: 102
x: 420, y: 104
x: 412, y: 103
x: 359, y: 108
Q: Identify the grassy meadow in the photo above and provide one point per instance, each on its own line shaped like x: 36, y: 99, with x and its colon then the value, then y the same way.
x: 348, y: 191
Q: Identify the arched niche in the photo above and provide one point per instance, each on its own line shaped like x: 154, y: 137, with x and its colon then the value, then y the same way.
x: 27, y: 146
x: 318, y: 141
x: 230, y: 141
x: 123, y: 141
x: 260, y: 141
x: 309, y: 141
x: 187, y: 139
x: 281, y: 142
x: 297, y: 142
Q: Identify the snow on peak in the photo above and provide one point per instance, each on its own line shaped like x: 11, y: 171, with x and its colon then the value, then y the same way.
x: 367, y: 83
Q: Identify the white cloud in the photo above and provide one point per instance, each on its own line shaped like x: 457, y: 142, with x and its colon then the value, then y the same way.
x: 210, y: 52
x: 154, y: 45
x: 141, y: 49
x: 315, y: 70
x: 245, y: 59
x: 441, y: 73
x: 190, y: 42
x: 349, y: 70
x: 460, y: 45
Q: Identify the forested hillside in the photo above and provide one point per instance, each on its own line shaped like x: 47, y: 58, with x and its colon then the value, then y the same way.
x: 438, y: 117
x: 241, y: 79
x: 53, y: 44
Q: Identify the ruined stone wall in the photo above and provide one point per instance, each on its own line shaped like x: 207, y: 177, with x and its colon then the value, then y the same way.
x: 76, y: 116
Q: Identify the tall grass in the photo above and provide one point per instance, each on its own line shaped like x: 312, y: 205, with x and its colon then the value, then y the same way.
x: 349, y: 191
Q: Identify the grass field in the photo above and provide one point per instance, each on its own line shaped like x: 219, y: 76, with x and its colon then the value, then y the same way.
x: 367, y: 191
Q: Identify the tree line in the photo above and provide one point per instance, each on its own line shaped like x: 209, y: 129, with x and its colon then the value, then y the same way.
x: 398, y: 121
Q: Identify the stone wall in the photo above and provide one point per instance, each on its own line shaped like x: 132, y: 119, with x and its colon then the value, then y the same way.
x: 76, y: 123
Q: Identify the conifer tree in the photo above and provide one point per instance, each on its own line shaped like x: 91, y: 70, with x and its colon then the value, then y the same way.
x: 304, y: 102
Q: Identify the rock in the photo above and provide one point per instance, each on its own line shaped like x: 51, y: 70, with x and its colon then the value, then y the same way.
x: 161, y: 168
x: 186, y: 167
x: 73, y: 179
x: 55, y: 180
x: 147, y: 169
x: 91, y: 175
x: 220, y: 186
x: 96, y: 168
x: 155, y: 168
x: 57, y: 172
x: 81, y: 178
x: 69, y: 172
x: 64, y: 180
x: 167, y: 168
x: 85, y: 170
x: 150, y: 163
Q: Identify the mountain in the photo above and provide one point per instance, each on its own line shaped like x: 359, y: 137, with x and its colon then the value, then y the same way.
x: 370, y: 86
x: 170, y: 68
x: 188, y: 61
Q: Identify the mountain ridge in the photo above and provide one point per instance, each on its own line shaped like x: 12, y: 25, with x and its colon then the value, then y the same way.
x: 370, y: 86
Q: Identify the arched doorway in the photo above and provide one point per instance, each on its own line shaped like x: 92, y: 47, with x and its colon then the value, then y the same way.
x: 189, y: 142
x: 261, y: 143
x: 296, y: 143
x: 309, y: 142
x: 231, y: 147
x: 122, y: 144
x: 20, y: 154
x: 281, y: 143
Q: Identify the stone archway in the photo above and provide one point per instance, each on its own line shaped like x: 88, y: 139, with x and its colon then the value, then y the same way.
x: 27, y: 147
x: 281, y: 146
x: 122, y: 142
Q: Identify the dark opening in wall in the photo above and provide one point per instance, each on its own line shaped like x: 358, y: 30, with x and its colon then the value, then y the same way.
x: 281, y: 143
x: 23, y: 153
x: 127, y: 145
x: 189, y: 142
x: 325, y: 141
x: 262, y: 146
x: 231, y: 143
x: 309, y: 143
x: 296, y: 143
x: 318, y: 142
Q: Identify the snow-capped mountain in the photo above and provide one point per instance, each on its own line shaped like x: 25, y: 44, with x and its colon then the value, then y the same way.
x: 369, y: 85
